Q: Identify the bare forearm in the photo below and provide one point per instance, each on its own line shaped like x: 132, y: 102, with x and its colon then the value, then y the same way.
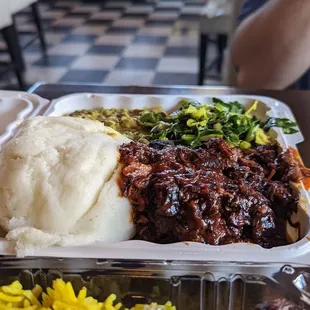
x: 271, y: 48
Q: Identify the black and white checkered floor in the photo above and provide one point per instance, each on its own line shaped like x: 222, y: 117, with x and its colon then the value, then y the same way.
x: 114, y: 42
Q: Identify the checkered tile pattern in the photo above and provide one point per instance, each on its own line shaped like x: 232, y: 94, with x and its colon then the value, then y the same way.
x: 114, y: 42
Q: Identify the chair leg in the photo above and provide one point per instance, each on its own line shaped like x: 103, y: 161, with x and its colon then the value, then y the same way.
x: 221, y: 45
x: 38, y: 22
x: 20, y: 78
x: 203, y: 47
x: 11, y: 38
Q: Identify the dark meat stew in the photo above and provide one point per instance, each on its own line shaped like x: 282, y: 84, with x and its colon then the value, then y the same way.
x: 214, y: 194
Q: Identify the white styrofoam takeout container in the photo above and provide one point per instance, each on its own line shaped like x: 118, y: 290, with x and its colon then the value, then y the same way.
x: 298, y: 252
x: 15, y: 107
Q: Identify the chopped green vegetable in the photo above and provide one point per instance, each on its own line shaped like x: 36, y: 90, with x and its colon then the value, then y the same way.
x: 250, y: 136
x: 150, y: 118
x: 244, y: 145
x: 252, y: 108
x: 261, y: 137
x: 194, y: 123
x: 217, y: 126
x: 191, y: 109
x: 232, y: 107
x: 284, y: 123
x: 188, y: 138
x: 191, y: 123
x: 201, y: 114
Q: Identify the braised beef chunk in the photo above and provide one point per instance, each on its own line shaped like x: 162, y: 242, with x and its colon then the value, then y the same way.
x: 213, y: 194
x: 289, y: 167
x: 160, y: 144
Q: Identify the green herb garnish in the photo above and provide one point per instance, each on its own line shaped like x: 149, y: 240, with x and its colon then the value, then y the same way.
x: 284, y: 123
x: 195, y: 123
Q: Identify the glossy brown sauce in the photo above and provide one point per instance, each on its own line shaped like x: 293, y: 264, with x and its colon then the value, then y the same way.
x: 213, y: 194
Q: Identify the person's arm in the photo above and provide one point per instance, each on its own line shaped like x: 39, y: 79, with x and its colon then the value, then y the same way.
x: 271, y: 48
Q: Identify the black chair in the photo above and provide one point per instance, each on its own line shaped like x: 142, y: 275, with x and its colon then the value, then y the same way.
x: 19, y: 5
x: 8, y: 30
x: 219, y: 20
x: 9, y: 9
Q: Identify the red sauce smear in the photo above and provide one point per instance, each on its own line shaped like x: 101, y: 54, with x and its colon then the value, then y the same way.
x: 305, y: 172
